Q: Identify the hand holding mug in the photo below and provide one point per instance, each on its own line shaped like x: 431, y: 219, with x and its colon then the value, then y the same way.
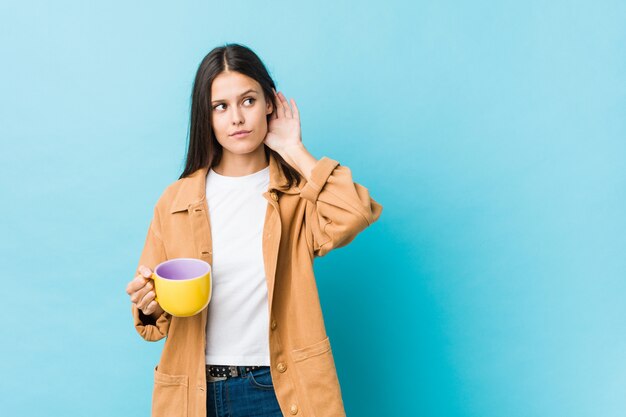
x: 180, y: 286
x: 142, y: 294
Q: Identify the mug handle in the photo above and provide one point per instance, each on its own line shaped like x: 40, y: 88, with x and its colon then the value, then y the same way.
x: 154, y: 285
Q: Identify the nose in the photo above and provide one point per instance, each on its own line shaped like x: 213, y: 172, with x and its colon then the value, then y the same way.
x: 237, y: 116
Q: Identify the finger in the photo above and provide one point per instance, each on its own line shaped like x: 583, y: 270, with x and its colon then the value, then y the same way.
x: 136, y: 284
x: 140, y: 281
x: 296, y: 113
x: 130, y: 288
x: 144, y: 271
x: 285, y: 105
x: 138, y: 303
x: 139, y: 294
x: 146, y: 299
x: 150, y: 308
x: 279, y: 106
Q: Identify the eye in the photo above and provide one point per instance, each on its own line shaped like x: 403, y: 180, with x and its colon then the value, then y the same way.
x: 252, y: 100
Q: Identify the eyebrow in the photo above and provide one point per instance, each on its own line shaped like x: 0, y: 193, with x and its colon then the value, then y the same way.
x: 251, y: 90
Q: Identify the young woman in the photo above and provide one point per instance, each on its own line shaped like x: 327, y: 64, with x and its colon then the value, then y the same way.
x: 258, y: 207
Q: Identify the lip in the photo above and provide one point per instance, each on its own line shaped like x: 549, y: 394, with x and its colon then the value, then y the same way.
x: 241, y: 133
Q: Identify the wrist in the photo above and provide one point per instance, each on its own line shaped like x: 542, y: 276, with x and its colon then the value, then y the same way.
x: 157, y: 313
x: 300, y: 159
x: 291, y: 152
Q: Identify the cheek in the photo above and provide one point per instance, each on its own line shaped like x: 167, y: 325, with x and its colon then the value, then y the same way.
x: 261, y: 120
x: 220, y: 129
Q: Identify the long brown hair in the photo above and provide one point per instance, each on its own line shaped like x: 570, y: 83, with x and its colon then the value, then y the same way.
x: 203, y: 148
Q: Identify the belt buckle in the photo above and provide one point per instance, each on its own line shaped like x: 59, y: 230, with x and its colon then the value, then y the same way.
x: 210, y: 378
x: 232, y: 371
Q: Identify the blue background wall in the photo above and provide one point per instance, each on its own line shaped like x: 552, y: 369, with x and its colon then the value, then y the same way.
x: 493, y: 133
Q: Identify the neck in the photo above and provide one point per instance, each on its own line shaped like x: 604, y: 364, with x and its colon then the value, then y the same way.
x: 236, y: 165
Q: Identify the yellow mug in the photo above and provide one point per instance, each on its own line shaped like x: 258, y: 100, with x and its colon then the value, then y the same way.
x: 182, y: 286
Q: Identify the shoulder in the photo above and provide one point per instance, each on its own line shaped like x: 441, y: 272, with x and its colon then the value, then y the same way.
x: 178, y: 194
x: 167, y: 197
x: 169, y: 193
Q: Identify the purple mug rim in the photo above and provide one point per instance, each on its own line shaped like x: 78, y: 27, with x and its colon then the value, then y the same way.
x: 183, y: 259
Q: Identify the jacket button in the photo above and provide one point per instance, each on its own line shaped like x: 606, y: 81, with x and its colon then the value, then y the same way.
x: 281, y: 367
x: 294, y: 409
x: 273, y: 324
x: 274, y: 196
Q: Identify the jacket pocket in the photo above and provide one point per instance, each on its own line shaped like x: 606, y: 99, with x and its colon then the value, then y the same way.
x: 169, y: 397
x: 315, y: 349
x: 317, y: 374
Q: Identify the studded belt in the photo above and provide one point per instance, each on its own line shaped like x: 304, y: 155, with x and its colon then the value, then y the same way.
x: 227, y: 371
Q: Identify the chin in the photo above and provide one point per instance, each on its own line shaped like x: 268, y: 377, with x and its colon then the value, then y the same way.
x: 243, y: 148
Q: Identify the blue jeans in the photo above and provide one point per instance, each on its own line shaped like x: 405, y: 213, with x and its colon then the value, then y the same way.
x: 251, y: 394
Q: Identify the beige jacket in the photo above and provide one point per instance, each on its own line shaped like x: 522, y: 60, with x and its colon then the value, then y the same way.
x: 301, y: 223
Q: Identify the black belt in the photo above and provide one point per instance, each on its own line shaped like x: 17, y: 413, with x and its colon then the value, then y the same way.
x: 228, y: 371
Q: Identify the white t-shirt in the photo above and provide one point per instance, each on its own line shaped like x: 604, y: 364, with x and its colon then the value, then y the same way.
x: 238, y: 314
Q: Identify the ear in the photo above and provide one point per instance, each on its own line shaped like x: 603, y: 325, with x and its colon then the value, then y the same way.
x: 269, y: 106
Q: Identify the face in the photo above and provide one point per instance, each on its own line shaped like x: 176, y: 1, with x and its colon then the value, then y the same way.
x: 238, y: 103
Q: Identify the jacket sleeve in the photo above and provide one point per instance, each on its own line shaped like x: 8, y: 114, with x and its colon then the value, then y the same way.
x: 153, y: 254
x: 337, y: 208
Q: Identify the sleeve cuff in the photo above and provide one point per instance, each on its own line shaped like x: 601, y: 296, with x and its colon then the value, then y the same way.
x: 149, y: 329
x: 319, y: 175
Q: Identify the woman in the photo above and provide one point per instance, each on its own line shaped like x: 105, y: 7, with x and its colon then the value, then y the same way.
x: 258, y: 207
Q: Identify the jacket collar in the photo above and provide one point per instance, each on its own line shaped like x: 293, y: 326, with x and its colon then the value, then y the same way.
x: 192, y: 189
